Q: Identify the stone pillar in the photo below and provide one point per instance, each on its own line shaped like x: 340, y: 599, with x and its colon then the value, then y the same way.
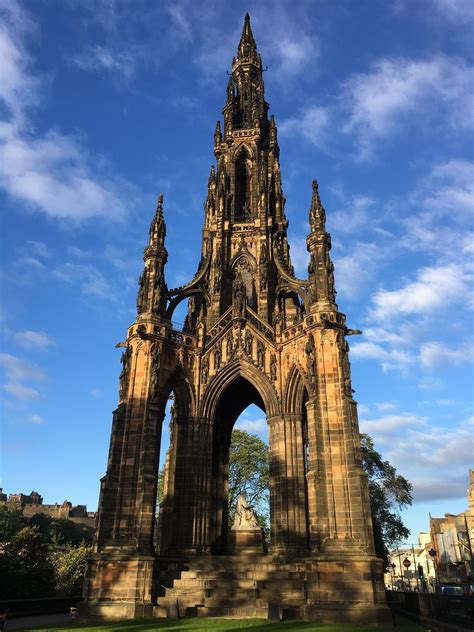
x: 338, y: 504
x: 288, y: 498
x: 192, y: 485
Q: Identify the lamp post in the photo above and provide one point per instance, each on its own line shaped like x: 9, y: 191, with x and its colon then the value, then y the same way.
x: 432, y: 554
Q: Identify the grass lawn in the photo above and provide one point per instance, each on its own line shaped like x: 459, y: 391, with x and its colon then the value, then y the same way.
x: 227, y: 625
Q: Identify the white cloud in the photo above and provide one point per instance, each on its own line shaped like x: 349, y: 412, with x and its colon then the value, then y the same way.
x: 18, y: 370
x: 90, y: 280
x: 383, y: 428
x: 450, y: 189
x: 356, y: 267
x: 461, y: 11
x: 20, y: 391
x: 357, y: 213
x: 50, y: 172
x: 434, y: 458
x: 254, y: 426
x: 436, y: 287
x: 98, y: 58
x: 34, y: 340
x: 313, y: 123
x: 37, y: 419
x: 37, y: 248
x: 395, y: 89
x: 180, y: 20
x: 385, y: 406
x: 389, y: 359
x: 435, y: 354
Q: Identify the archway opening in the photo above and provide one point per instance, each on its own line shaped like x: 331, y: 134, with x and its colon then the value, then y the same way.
x: 240, y: 458
x: 165, y: 478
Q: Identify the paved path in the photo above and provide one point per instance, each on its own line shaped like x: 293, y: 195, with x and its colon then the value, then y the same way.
x: 24, y: 623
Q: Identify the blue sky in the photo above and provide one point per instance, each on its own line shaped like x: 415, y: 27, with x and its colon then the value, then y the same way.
x: 105, y: 104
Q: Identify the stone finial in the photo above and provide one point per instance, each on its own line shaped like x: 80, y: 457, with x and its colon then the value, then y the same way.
x: 317, y: 214
x: 247, y: 46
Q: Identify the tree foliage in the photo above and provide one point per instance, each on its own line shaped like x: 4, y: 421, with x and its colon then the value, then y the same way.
x: 25, y: 567
x: 69, y: 566
x: 249, y: 474
x: 11, y: 521
x: 389, y: 492
x: 41, y: 556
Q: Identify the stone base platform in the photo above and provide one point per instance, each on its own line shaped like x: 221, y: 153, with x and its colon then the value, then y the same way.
x: 255, y: 585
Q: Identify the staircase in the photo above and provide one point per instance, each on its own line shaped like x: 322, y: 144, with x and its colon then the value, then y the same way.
x: 242, y: 586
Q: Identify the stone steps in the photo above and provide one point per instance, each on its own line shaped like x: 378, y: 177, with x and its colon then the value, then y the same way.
x: 230, y: 586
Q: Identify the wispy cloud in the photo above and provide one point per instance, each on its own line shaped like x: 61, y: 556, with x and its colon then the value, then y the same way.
x: 88, y: 278
x: 50, y: 172
x: 38, y: 340
x: 313, y: 123
x: 98, y: 58
x: 37, y: 419
x: 395, y: 88
x: 389, y: 359
x: 443, y: 454
x: 435, y: 354
x: 17, y: 372
x: 434, y: 287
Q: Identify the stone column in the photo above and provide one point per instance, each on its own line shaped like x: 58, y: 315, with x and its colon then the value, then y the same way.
x: 288, y: 509
x: 192, y: 485
x: 338, y: 506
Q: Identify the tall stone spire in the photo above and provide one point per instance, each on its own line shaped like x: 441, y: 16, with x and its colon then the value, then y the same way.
x: 245, y: 107
x: 151, y: 297
x: 322, y: 293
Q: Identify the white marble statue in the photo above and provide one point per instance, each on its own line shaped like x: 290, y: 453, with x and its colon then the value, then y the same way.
x: 245, y: 517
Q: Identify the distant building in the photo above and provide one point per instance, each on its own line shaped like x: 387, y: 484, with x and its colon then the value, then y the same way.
x: 451, y: 561
x: 452, y: 538
x: 420, y: 574
x: 32, y: 504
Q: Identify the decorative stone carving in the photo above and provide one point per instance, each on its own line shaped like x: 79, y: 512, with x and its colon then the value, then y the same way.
x: 248, y: 343
x: 124, y: 374
x: 260, y: 356
x: 229, y: 344
x: 205, y: 370
x: 217, y: 358
x: 273, y: 368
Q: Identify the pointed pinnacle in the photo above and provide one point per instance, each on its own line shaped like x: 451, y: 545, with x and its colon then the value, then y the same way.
x: 247, y: 42
x: 317, y: 214
x: 159, y: 205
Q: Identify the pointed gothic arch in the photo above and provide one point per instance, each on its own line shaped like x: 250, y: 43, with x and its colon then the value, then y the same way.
x: 295, y: 388
x: 243, y: 185
x: 224, y: 378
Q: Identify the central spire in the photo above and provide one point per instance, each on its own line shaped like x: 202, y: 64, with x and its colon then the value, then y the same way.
x: 245, y: 107
x: 247, y: 46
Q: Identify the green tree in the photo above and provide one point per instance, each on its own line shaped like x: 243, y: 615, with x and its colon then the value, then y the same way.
x: 69, y: 566
x: 249, y: 474
x: 11, y: 521
x: 389, y: 493
x: 25, y: 567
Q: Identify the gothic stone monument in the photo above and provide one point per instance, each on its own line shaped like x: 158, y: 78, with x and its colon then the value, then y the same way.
x: 254, y: 333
